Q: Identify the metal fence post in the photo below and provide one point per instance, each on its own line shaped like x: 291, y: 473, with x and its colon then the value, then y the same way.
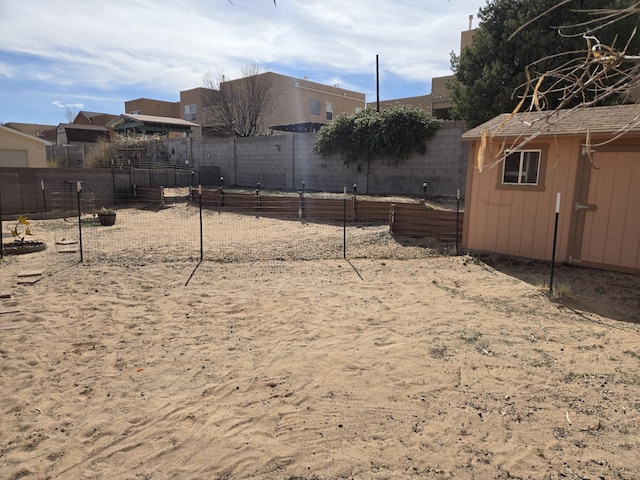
x: 457, y: 222
x: 301, y: 202
x: 1, y: 245
x: 44, y: 197
x: 79, y: 190
x: 200, y: 207
x: 555, y: 238
x: 344, y: 224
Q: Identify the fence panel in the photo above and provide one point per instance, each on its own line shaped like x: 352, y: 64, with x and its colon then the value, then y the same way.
x: 229, y: 226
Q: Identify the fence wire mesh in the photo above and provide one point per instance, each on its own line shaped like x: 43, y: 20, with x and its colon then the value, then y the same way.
x: 171, y: 225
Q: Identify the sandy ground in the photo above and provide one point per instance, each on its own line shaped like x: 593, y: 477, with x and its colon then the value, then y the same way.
x: 406, y: 365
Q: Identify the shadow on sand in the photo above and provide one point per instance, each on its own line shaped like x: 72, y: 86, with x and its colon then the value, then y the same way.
x: 612, y: 295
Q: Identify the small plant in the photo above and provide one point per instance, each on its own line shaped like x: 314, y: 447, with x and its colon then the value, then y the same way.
x: 21, y: 229
x: 106, y: 216
x: 562, y: 290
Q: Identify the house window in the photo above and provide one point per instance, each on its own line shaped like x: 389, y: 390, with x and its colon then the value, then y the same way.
x: 315, y: 107
x: 329, y: 110
x: 521, y: 167
x: 190, y: 112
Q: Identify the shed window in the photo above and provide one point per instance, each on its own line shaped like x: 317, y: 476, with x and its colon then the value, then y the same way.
x: 521, y: 167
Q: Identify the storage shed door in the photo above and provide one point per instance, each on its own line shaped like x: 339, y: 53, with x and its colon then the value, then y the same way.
x: 611, y: 233
x: 13, y: 158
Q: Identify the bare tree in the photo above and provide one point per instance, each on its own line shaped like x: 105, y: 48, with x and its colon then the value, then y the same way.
x: 601, y: 73
x: 69, y: 114
x: 239, y: 107
x: 590, y: 76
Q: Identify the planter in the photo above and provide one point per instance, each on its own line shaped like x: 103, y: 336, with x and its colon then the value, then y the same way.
x: 107, y: 219
x: 20, y: 248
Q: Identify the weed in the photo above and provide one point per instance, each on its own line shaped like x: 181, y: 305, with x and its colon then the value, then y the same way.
x: 439, y: 351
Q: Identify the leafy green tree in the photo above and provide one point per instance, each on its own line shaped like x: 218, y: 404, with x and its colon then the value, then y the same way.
x: 391, y: 135
x: 538, y: 35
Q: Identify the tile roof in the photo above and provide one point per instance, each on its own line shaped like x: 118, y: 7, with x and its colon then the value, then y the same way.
x: 576, y: 121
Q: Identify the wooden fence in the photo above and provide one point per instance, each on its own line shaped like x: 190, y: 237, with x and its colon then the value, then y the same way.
x: 417, y: 220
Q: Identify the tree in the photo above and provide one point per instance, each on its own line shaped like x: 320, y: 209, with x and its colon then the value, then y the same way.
x: 520, y: 40
x: 390, y: 135
x: 69, y: 114
x: 600, y: 72
x: 239, y: 107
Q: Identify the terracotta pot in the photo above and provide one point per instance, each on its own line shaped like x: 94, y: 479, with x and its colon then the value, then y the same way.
x: 107, y: 219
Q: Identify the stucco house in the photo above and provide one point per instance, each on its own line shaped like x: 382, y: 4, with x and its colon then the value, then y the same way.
x: 517, y: 167
x: 18, y: 149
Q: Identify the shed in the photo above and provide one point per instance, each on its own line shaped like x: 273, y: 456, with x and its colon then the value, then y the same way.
x: 18, y: 149
x: 584, y: 161
x: 78, y: 134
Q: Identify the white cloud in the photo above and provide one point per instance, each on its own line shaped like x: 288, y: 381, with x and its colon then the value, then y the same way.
x: 172, y: 43
x: 60, y: 104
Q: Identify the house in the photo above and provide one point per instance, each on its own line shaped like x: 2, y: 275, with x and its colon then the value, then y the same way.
x: 18, y: 149
x: 302, y: 105
x: 93, y: 118
x: 149, y: 106
x: 438, y: 103
x: 151, y: 125
x: 584, y: 162
x: 46, y: 132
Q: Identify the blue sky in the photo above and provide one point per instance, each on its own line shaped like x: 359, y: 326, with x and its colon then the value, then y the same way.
x: 94, y: 55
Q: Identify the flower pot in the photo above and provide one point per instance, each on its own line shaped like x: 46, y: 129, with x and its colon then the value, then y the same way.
x: 107, y: 219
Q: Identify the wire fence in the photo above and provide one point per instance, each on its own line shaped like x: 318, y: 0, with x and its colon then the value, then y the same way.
x: 227, y: 225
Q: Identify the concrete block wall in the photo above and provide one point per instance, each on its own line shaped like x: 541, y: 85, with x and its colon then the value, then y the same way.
x: 285, y: 161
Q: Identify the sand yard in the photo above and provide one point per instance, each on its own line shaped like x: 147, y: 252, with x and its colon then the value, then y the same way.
x: 406, y: 364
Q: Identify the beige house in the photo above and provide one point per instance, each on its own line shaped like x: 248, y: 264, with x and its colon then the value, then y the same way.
x: 302, y: 105
x: 590, y: 157
x: 438, y: 102
x: 156, y: 108
x: 18, y: 149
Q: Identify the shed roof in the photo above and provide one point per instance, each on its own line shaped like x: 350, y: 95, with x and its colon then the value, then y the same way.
x: 577, y: 121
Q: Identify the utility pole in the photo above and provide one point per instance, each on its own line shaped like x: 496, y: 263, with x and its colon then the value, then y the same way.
x: 377, y: 85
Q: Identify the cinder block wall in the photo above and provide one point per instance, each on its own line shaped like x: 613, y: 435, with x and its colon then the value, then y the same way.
x: 285, y: 161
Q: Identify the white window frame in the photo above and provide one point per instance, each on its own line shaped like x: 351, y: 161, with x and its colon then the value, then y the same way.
x: 329, y: 110
x: 523, y: 167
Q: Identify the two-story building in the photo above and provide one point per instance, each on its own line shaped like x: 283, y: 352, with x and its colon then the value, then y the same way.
x: 301, y: 105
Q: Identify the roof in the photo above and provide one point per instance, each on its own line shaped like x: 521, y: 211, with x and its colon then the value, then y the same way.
x: 95, y: 118
x: 575, y: 121
x: 26, y: 136
x: 150, y: 124
x: 77, y: 132
x: 35, y: 129
x: 82, y: 126
x: 89, y: 114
